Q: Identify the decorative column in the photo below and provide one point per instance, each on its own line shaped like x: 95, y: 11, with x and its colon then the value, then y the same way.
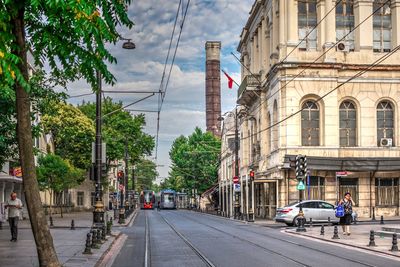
x: 282, y: 30
x: 395, y: 9
x: 330, y: 31
x: 321, y: 27
x: 292, y: 28
x: 263, y: 46
x: 363, y: 9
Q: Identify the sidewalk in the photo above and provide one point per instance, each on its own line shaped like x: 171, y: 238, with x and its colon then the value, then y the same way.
x: 69, y: 244
x: 359, y: 237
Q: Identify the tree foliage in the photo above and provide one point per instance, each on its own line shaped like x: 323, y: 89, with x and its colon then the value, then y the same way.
x: 146, y: 174
x: 119, y: 128
x: 56, y: 174
x: 194, y: 162
x: 73, y: 133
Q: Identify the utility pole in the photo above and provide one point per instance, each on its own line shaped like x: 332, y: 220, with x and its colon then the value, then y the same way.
x: 237, y: 194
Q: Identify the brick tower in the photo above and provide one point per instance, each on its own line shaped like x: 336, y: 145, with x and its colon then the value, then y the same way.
x: 213, y: 87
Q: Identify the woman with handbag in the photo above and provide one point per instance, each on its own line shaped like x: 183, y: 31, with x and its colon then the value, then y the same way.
x: 345, y: 221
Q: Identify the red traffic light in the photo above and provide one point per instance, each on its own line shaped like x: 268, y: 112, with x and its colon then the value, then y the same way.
x: 120, y: 174
x: 252, y: 175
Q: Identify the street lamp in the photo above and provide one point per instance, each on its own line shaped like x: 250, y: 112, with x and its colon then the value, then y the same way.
x: 98, y: 212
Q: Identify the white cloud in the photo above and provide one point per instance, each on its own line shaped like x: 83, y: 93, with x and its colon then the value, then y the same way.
x: 141, y: 69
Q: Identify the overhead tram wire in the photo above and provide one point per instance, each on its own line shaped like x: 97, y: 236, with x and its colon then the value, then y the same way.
x: 162, y: 95
x: 377, y: 62
x: 160, y: 90
x: 75, y: 96
x: 311, y: 64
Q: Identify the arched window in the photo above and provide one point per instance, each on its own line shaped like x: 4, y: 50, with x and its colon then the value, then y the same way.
x: 345, y: 22
x: 269, y: 133
x: 382, y: 26
x: 348, y: 124
x: 385, y: 123
x: 310, y: 124
x: 307, y: 20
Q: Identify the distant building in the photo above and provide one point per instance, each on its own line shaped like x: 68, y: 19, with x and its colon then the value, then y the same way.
x: 296, y: 106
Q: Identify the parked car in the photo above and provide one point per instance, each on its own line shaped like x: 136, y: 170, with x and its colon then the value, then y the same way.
x: 318, y: 210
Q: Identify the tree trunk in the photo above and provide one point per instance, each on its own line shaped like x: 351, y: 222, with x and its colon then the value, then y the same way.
x: 61, y: 204
x: 43, y: 239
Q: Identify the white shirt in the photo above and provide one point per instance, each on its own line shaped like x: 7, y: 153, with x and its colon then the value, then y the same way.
x: 13, y: 211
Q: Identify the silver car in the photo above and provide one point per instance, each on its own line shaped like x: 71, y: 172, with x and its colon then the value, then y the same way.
x: 318, y: 210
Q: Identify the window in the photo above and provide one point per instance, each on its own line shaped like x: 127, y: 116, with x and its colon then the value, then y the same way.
x: 385, y: 121
x: 347, y: 124
x: 275, y: 137
x: 93, y: 198
x: 310, y: 124
x: 309, y: 205
x: 382, y: 26
x: 386, y: 191
x: 79, y: 200
x: 324, y: 205
x: 349, y: 185
x: 317, y: 188
x: 345, y: 22
x: 307, y: 20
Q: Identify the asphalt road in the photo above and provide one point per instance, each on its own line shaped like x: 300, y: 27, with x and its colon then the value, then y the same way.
x: 185, y: 238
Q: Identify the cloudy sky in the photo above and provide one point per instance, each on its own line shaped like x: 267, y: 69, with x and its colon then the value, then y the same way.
x: 141, y: 69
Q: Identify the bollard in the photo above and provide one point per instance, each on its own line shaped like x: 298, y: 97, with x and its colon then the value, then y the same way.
x: 1, y: 225
x: 99, y: 236
x: 394, y: 248
x: 382, y: 220
x: 329, y: 221
x: 310, y: 222
x: 335, y: 233
x: 88, y: 244
x: 109, y: 228
x: 372, y: 239
x: 51, y: 221
x: 94, y: 239
x: 103, y: 233
x: 322, y: 230
x: 373, y: 214
x: 72, y: 225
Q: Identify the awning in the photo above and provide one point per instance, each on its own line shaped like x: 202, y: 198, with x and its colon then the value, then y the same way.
x: 355, y: 164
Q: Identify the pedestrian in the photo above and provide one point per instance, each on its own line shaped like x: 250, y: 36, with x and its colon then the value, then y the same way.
x: 14, y: 205
x: 345, y: 221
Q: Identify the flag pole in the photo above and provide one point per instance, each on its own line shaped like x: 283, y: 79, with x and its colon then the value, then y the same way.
x: 238, y: 85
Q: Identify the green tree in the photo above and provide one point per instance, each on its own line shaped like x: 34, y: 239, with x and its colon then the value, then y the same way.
x: 70, y: 36
x: 57, y: 175
x: 194, y: 161
x: 120, y: 130
x: 73, y: 133
x: 146, y: 174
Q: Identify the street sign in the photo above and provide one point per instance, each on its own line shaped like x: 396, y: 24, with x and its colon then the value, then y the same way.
x: 235, y: 179
x: 300, y: 185
x: 236, y: 187
x: 343, y: 174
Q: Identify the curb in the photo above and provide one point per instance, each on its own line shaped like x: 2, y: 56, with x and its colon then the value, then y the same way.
x: 342, y: 244
x: 128, y: 220
x: 109, y: 256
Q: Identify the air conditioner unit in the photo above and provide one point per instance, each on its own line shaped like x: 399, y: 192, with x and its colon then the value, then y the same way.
x: 386, y: 142
x: 343, y: 47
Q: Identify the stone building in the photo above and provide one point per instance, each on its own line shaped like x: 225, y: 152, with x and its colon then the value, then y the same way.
x: 306, y: 92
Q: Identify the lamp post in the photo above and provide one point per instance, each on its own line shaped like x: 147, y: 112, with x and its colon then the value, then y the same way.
x: 98, y: 212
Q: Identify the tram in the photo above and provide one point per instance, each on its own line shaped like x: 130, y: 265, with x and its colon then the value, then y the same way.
x: 167, y: 199
x: 147, y: 199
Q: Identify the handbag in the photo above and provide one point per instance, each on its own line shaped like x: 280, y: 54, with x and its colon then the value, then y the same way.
x: 339, y: 212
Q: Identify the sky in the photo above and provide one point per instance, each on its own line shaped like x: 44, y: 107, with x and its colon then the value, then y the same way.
x: 141, y: 69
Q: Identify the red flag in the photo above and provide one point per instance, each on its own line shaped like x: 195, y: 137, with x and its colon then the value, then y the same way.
x: 230, y: 80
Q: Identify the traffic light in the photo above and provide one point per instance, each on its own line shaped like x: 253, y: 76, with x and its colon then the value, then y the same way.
x: 301, y: 166
x: 251, y: 175
x: 120, y: 176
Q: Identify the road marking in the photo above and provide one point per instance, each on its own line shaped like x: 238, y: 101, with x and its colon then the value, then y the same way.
x: 146, y: 253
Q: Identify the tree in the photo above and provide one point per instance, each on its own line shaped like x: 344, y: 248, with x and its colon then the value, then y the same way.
x: 57, y: 175
x: 71, y: 37
x: 120, y: 128
x: 194, y: 161
x: 146, y: 174
x: 73, y: 134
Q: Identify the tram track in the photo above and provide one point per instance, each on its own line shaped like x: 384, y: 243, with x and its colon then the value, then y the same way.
x: 188, y: 243
x: 279, y: 239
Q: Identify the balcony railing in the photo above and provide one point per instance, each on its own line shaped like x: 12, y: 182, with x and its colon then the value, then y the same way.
x: 250, y: 82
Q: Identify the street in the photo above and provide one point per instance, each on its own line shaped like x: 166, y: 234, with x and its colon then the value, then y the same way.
x: 185, y: 238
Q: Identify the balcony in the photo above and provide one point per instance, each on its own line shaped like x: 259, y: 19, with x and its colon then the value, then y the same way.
x: 249, y: 89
